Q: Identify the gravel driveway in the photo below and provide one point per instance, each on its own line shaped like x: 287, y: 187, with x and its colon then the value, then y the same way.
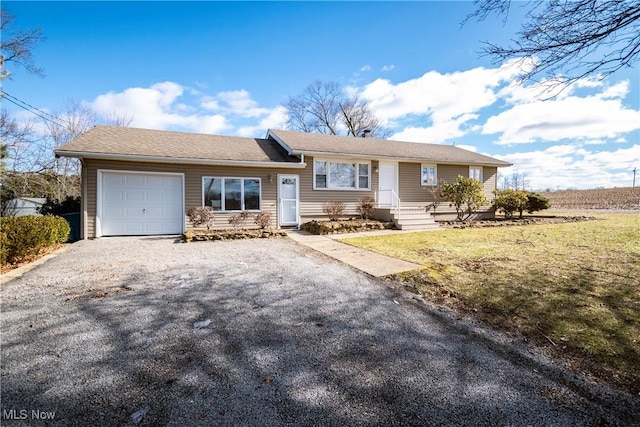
x: 104, y: 335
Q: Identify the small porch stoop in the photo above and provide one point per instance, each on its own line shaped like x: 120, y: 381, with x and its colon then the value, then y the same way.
x: 413, y: 218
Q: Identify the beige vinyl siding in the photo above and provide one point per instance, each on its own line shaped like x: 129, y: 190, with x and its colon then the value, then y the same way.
x: 311, y: 200
x: 192, y: 182
x: 490, y: 178
x: 412, y: 190
x: 413, y: 193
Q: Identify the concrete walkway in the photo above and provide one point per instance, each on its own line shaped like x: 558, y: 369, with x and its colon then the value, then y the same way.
x: 371, y: 263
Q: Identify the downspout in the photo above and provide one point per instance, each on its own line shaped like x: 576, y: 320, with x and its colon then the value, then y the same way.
x: 83, y: 199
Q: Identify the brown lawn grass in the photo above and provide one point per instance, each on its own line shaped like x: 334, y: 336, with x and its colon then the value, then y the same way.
x: 572, y: 288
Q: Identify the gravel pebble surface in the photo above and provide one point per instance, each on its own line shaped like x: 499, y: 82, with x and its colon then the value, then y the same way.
x: 150, y: 331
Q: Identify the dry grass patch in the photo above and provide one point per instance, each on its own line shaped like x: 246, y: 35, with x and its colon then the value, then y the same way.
x: 572, y: 288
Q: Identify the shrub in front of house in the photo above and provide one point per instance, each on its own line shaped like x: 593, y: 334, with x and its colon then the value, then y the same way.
x: 263, y: 220
x: 366, y: 207
x: 334, y: 210
x: 25, y: 236
x: 465, y: 194
x: 509, y: 201
x: 239, y: 220
x: 200, y: 215
x: 535, y: 203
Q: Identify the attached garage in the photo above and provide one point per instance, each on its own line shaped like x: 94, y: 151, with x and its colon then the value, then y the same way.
x: 139, y: 203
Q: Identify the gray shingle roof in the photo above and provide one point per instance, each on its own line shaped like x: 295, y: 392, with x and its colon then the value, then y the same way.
x: 124, y: 142
x: 314, y: 144
x: 160, y: 145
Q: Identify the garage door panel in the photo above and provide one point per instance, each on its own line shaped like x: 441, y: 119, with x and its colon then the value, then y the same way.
x: 156, y: 197
x: 135, y: 180
x: 141, y: 204
x: 135, y: 195
x: 133, y: 228
x: 114, y: 211
x: 156, y: 212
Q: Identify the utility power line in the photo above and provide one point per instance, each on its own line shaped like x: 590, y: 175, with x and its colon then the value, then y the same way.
x: 30, y: 108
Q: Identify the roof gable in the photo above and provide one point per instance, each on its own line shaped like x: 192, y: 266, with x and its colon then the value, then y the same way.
x: 346, y: 146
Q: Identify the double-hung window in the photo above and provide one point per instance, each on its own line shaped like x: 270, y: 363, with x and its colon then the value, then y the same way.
x: 429, y: 175
x: 475, y: 172
x: 340, y: 175
x: 231, y: 194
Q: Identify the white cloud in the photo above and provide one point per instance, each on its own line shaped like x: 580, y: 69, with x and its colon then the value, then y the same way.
x: 276, y: 119
x: 572, y: 117
x: 387, y: 68
x: 156, y: 107
x: 468, y: 147
x: 236, y: 102
x: 442, y: 97
x: 571, y: 165
x: 169, y: 105
x: 436, y: 134
x: 365, y: 68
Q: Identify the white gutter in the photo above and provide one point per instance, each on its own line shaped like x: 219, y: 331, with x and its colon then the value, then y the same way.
x: 183, y: 160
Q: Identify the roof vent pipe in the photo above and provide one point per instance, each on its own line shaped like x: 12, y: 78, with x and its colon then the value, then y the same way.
x: 366, y: 133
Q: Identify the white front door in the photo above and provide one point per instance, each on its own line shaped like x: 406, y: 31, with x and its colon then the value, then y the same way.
x: 288, y: 199
x: 140, y: 203
x: 387, y: 184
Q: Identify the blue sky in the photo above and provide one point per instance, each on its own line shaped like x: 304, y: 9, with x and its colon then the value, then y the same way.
x: 226, y: 68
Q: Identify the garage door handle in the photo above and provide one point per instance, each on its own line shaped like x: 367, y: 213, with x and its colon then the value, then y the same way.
x: 144, y: 211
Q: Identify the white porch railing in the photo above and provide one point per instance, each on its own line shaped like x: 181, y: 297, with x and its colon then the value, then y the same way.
x: 388, y: 199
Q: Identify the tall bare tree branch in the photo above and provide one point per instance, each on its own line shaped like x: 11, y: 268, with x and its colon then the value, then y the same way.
x: 325, y: 108
x: 16, y: 46
x: 570, y: 40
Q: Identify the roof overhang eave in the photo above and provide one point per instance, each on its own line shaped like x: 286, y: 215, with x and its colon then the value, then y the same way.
x: 182, y: 160
x: 398, y: 158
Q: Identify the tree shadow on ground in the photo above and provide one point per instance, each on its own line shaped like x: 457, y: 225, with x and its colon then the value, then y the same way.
x: 280, y: 350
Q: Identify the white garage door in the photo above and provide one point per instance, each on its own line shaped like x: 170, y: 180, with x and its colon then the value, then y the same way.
x: 135, y: 204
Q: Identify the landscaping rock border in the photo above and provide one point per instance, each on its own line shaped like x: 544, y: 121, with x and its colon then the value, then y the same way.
x: 345, y: 226
x: 211, y: 235
x: 502, y: 222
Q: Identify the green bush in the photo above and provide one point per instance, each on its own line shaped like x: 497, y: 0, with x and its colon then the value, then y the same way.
x: 465, y: 194
x: 510, y: 201
x: 23, y: 236
x: 535, y: 202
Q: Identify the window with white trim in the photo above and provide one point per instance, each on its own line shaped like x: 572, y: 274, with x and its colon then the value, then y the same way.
x: 429, y: 174
x: 335, y: 175
x: 475, y: 172
x: 231, y: 194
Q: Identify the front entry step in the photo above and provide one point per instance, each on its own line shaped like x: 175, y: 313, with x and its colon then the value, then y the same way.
x: 413, y: 219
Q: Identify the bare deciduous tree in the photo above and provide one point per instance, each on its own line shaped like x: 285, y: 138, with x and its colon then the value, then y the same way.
x: 16, y: 46
x: 34, y: 171
x: 325, y: 108
x: 569, y: 39
x: 516, y: 181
